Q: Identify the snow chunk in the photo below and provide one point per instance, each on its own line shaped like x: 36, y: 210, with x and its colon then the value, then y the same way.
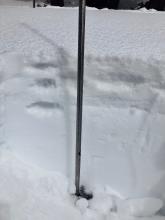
x: 144, y: 207
x: 82, y: 205
x: 101, y: 203
x: 144, y: 9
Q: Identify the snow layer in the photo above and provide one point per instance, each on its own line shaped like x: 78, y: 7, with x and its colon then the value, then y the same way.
x: 123, y: 122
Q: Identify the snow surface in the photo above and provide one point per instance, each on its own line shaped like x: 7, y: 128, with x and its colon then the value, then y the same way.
x: 16, y: 3
x: 123, y: 122
x: 145, y: 207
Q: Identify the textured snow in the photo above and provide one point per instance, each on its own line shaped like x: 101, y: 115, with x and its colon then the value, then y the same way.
x: 142, y: 37
x: 123, y: 122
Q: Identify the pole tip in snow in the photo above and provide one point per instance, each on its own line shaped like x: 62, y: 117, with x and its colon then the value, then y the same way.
x: 84, y: 194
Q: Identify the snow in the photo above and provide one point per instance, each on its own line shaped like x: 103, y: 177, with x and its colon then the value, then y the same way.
x: 82, y: 205
x: 123, y: 121
x: 102, y: 203
x: 22, y: 3
x: 144, y: 207
x: 41, y: 32
x: 28, y: 192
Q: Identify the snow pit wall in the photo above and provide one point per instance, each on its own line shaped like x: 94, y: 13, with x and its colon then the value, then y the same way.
x: 123, y: 145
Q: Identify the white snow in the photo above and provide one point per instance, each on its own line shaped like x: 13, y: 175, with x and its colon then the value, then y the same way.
x: 102, y: 203
x: 123, y: 144
x: 22, y: 3
x: 28, y: 192
x: 82, y: 205
x: 144, y: 207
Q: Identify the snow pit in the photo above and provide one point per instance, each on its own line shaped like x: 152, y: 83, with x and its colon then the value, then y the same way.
x: 123, y: 121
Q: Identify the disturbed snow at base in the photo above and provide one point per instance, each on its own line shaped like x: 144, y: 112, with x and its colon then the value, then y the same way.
x: 28, y: 192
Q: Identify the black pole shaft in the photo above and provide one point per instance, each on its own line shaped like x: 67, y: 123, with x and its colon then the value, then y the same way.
x: 34, y: 3
x: 80, y: 76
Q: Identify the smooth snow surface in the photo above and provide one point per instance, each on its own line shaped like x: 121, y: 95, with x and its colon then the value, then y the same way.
x: 16, y: 3
x: 123, y: 145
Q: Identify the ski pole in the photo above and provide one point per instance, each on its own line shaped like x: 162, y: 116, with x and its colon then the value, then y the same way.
x: 34, y: 3
x: 80, y: 76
